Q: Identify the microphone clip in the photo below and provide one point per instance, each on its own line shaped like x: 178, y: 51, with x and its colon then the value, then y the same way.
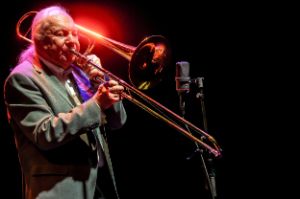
x: 198, y: 81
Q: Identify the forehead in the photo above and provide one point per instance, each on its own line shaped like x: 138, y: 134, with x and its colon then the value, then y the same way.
x: 60, y: 21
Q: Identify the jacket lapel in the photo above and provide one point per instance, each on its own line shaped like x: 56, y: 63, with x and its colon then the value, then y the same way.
x: 52, y: 82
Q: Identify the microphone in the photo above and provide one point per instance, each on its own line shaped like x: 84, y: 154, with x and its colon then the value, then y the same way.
x: 182, y: 77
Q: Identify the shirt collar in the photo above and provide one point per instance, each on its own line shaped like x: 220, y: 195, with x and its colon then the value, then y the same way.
x: 57, y: 71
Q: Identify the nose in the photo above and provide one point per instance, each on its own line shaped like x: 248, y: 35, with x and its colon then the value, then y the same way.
x: 71, y: 40
x: 71, y: 44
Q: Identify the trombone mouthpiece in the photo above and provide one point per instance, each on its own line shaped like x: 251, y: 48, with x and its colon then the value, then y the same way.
x: 73, y: 50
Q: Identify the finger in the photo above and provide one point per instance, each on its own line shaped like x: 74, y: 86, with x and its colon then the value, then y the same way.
x: 103, y: 89
x: 95, y: 72
x: 94, y: 59
x: 116, y: 89
x: 116, y: 97
x: 111, y: 83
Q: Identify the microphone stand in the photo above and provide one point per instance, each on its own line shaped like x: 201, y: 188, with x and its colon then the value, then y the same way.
x: 210, y: 176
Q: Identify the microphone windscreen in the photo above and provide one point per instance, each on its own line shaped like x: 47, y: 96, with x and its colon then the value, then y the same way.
x: 182, y: 77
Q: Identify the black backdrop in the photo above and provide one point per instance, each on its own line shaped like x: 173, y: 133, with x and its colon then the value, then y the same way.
x: 221, y: 42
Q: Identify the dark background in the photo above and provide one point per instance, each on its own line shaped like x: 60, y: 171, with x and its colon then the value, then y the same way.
x: 227, y: 44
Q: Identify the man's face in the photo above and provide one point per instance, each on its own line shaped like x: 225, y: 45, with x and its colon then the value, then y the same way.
x: 57, y: 34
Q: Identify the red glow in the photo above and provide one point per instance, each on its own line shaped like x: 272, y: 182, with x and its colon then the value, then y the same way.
x: 93, y: 25
x: 97, y: 17
x: 112, y: 21
x: 104, y: 20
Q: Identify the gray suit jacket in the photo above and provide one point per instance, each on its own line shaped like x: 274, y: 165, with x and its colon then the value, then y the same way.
x: 55, y: 162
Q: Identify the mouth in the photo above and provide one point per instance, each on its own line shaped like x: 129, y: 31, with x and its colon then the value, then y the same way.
x: 69, y: 48
x: 67, y: 56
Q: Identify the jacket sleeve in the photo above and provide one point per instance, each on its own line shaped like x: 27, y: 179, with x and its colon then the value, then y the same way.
x: 116, y: 116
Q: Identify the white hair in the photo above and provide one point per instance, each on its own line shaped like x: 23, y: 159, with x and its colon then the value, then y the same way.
x: 36, y: 28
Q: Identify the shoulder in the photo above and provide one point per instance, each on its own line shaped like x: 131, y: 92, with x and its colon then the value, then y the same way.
x: 20, y: 73
x: 25, y: 68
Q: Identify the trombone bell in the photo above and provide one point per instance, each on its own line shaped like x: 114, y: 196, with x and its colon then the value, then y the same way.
x: 147, y: 61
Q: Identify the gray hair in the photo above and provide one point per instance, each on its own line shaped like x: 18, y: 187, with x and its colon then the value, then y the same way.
x: 37, y: 27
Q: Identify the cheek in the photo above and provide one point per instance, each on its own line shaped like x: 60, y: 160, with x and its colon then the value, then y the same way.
x: 56, y: 42
x: 51, y: 44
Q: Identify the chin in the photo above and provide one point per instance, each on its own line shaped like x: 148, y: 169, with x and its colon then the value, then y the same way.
x: 66, y: 65
x: 65, y: 62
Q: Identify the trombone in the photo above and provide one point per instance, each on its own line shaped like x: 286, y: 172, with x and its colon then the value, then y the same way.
x: 149, y: 57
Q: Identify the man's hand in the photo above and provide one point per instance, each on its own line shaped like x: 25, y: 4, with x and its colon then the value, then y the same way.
x: 94, y: 74
x: 108, y: 94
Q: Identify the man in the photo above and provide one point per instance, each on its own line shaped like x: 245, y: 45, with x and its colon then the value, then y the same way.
x: 56, y: 113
